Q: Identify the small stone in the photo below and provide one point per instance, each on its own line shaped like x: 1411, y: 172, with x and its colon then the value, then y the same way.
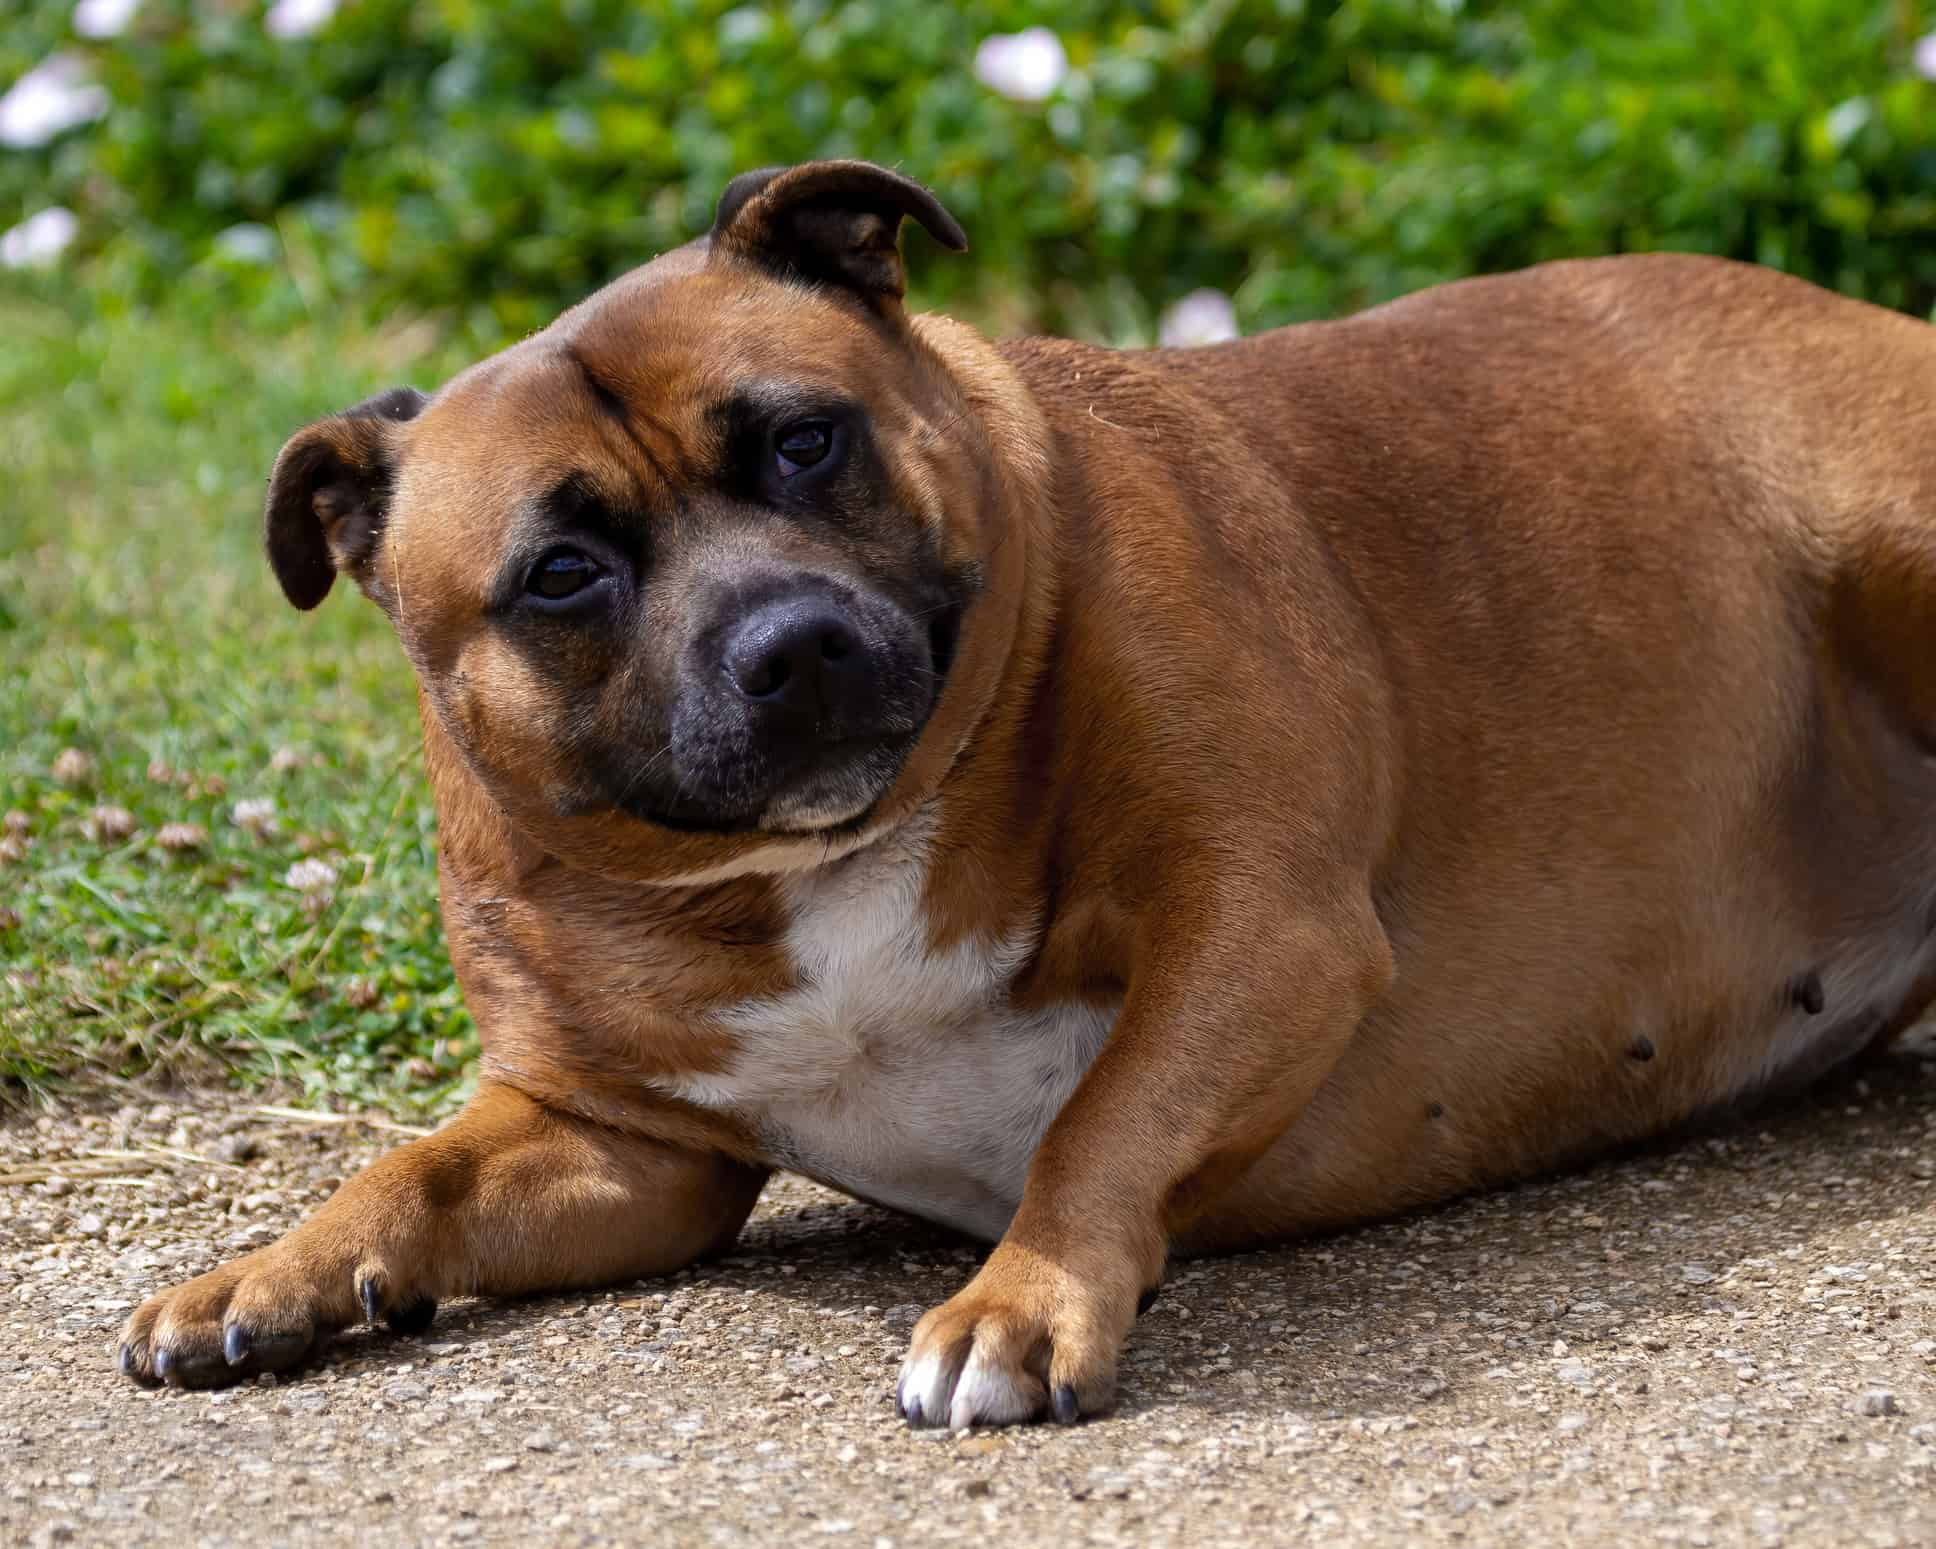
x: 499, y: 1465
x: 1878, y: 1401
x: 73, y: 767
x: 237, y: 1149
x: 1696, y: 1274
x: 91, y: 1225
x: 541, y: 1441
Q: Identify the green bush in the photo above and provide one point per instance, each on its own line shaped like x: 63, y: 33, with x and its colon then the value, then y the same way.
x: 499, y: 158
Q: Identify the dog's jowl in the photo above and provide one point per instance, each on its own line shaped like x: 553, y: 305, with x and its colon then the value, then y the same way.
x: 1115, y: 803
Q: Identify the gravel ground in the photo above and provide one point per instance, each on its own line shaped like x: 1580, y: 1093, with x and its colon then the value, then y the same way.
x: 1731, y: 1341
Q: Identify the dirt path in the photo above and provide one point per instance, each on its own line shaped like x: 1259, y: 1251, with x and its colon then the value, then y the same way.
x: 1732, y: 1342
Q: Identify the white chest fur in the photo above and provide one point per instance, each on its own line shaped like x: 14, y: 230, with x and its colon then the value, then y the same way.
x: 894, y: 1072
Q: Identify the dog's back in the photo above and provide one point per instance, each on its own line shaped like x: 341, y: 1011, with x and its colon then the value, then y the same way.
x: 1648, y: 550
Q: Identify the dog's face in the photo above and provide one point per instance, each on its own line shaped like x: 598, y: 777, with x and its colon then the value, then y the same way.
x: 687, y: 577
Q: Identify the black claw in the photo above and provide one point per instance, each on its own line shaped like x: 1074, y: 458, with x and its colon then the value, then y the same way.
x: 129, y: 1361
x: 913, y: 1412
x: 370, y: 1292
x: 413, y: 1317
x: 1066, y: 1412
x: 235, y: 1344
x: 1147, y: 1300
x: 164, y: 1363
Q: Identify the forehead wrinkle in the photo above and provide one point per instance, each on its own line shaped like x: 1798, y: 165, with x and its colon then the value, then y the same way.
x: 627, y: 423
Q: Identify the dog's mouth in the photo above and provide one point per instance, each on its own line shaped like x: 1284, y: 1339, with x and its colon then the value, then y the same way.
x: 838, y: 798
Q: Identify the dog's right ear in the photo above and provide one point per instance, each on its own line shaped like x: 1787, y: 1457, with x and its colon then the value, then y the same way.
x: 329, y: 493
x: 832, y: 223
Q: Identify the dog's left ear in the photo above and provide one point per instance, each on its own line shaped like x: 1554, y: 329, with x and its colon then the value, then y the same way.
x: 832, y: 223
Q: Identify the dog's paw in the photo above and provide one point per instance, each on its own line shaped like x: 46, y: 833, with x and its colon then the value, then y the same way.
x: 267, y: 1312
x: 1026, y: 1339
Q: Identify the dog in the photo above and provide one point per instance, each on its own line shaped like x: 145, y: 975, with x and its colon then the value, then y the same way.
x: 1116, y: 804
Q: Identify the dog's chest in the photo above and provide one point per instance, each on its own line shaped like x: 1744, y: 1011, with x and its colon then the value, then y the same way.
x: 893, y: 1071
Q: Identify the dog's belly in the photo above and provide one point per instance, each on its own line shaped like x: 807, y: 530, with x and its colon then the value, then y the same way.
x: 895, y: 1072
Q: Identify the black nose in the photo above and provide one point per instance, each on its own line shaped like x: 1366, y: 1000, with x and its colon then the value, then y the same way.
x: 800, y: 654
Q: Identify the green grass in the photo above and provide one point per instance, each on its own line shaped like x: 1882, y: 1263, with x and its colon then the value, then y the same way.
x: 140, y: 625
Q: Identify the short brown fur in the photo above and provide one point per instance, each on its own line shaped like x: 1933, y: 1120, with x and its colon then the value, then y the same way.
x: 1445, y: 738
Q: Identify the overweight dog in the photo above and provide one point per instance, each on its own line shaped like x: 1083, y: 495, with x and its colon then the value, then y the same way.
x: 1114, y: 803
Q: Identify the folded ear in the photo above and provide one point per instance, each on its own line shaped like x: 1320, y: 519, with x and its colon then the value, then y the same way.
x: 832, y: 223
x: 329, y: 492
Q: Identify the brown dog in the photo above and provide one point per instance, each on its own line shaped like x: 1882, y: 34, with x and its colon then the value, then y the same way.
x: 1116, y: 803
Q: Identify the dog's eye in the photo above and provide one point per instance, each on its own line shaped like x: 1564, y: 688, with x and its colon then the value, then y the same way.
x: 561, y: 573
x: 802, y: 445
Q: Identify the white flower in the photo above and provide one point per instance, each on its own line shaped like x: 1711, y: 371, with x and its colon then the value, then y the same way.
x: 1024, y: 66
x: 53, y: 96
x: 1847, y: 119
x: 1202, y: 317
x: 297, y: 18
x: 1924, y: 56
x: 38, y: 240
x: 104, y: 18
x: 257, y: 814
x: 247, y: 242
x: 311, y: 876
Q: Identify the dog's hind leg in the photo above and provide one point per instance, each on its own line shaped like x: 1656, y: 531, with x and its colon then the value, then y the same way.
x: 1883, y: 621
x: 509, y: 1197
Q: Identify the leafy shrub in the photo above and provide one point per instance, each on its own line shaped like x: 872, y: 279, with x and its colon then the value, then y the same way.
x: 499, y: 158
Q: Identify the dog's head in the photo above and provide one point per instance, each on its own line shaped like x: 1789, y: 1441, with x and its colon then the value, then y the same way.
x: 710, y: 575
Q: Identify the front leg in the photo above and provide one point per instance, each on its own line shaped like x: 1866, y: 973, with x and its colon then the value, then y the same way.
x: 509, y: 1197
x: 1224, y: 1037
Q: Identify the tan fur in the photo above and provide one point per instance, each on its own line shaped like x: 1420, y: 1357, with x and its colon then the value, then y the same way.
x: 1447, y: 743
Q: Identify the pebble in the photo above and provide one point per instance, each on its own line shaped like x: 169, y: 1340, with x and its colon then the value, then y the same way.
x: 237, y: 1149
x: 1586, y: 1395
